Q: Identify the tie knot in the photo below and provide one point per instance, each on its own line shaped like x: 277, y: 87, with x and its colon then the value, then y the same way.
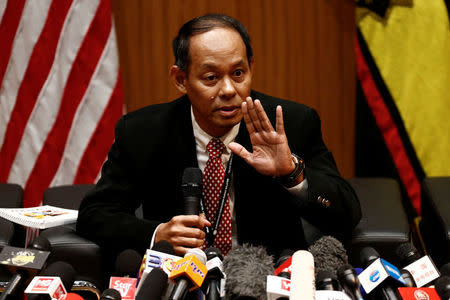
x: 215, y: 147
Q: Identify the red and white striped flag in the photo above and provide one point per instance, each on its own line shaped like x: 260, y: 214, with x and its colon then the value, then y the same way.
x: 60, y: 92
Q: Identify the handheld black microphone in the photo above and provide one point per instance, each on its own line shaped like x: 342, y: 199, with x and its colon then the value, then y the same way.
x: 326, y: 281
x: 154, y: 285
x: 191, y: 186
x: 350, y: 281
x: 211, y: 285
x: 24, y: 264
x: 246, y: 268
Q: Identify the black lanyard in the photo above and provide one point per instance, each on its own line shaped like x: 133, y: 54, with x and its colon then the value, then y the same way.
x: 211, y: 234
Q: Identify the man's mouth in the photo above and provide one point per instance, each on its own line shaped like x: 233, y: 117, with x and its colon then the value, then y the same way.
x: 229, y: 111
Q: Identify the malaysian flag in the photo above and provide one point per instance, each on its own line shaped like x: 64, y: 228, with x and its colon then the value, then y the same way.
x: 60, y: 92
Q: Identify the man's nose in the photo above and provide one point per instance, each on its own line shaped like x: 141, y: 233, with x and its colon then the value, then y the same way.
x: 227, y: 89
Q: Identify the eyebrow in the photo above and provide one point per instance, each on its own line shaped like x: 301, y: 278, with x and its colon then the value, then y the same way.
x: 214, y: 66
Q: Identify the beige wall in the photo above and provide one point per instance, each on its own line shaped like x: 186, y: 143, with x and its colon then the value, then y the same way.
x: 303, y: 52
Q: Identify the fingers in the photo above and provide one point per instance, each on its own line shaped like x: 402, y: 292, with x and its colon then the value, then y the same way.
x: 240, y: 150
x: 255, y: 117
x: 183, y: 232
x: 280, y: 122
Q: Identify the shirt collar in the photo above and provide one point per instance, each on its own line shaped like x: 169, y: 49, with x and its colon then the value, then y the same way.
x: 202, y: 138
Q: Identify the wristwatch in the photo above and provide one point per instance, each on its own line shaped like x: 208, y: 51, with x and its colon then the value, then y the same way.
x: 291, y: 179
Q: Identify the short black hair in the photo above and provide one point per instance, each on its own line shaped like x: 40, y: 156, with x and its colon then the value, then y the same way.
x: 180, y: 44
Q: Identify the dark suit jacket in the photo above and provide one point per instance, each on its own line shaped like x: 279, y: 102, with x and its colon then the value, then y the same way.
x: 155, y: 144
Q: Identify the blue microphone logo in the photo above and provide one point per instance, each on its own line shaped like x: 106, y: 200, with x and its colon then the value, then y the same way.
x: 374, y: 276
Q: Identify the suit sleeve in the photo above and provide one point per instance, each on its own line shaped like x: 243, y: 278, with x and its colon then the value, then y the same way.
x: 107, y: 214
x: 331, y: 204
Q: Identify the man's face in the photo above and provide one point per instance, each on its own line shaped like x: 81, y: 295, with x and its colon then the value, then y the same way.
x: 218, y: 79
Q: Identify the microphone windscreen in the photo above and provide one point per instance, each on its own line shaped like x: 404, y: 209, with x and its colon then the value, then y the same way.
x: 197, y: 252
x: 246, y: 268
x: 407, y: 254
x: 192, y: 182
x: 164, y: 247
x: 328, y: 253
x: 153, y: 286
x: 367, y: 256
x: 110, y: 294
x: 40, y: 243
x: 63, y: 270
x: 127, y: 263
x: 442, y: 285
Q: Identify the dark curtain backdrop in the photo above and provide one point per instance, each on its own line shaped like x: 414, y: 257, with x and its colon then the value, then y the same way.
x: 303, y: 52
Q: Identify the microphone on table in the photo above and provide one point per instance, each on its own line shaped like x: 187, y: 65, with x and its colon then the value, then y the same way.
x: 380, y: 278
x: 126, y: 269
x: 154, y: 285
x: 162, y: 256
x: 191, y: 187
x: 350, y: 282
x: 188, y: 273
x: 211, y: 285
x: 246, y: 268
x: 24, y: 263
x: 302, y: 277
x: 422, y: 269
x: 52, y: 283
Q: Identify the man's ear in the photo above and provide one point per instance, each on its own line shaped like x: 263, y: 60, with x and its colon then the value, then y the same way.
x: 178, y: 78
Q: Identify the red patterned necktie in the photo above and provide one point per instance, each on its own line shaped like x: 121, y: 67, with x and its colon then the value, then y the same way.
x: 213, y: 178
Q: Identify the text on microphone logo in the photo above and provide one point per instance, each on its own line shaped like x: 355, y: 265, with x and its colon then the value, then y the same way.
x: 286, y: 285
x: 374, y: 275
x: 421, y: 295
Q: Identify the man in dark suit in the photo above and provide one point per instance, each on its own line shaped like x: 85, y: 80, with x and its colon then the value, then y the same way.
x: 281, y: 169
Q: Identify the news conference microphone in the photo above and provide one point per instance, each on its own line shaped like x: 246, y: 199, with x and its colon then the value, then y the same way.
x: 162, y: 255
x: 350, y: 281
x: 442, y: 286
x: 23, y: 263
x: 380, y: 278
x: 191, y: 186
x: 329, y: 254
x: 188, y: 273
x: 110, y: 294
x: 126, y: 270
x: 408, y: 278
x: 246, y: 268
x: 445, y: 269
x: 52, y: 283
x: 421, y: 268
x: 211, y: 285
x: 283, y: 264
x: 154, y: 286
x: 302, y: 277
x: 326, y: 280
x: 127, y: 263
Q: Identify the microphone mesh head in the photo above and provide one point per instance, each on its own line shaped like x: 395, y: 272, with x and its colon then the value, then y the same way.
x: 367, y: 255
x: 212, y: 252
x: 407, y: 253
x: 328, y: 253
x: 191, y: 182
x: 445, y: 270
x: 442, y: 285
x: 128, y: 263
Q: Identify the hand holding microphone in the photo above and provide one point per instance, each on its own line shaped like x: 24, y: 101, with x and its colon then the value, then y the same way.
x: 186, y: 231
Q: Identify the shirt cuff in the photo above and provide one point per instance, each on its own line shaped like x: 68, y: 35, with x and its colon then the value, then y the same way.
x: 300, y: 189
x: 153, y: 237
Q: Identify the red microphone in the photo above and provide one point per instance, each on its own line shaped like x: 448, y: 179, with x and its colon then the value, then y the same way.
x: 408, y: 293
